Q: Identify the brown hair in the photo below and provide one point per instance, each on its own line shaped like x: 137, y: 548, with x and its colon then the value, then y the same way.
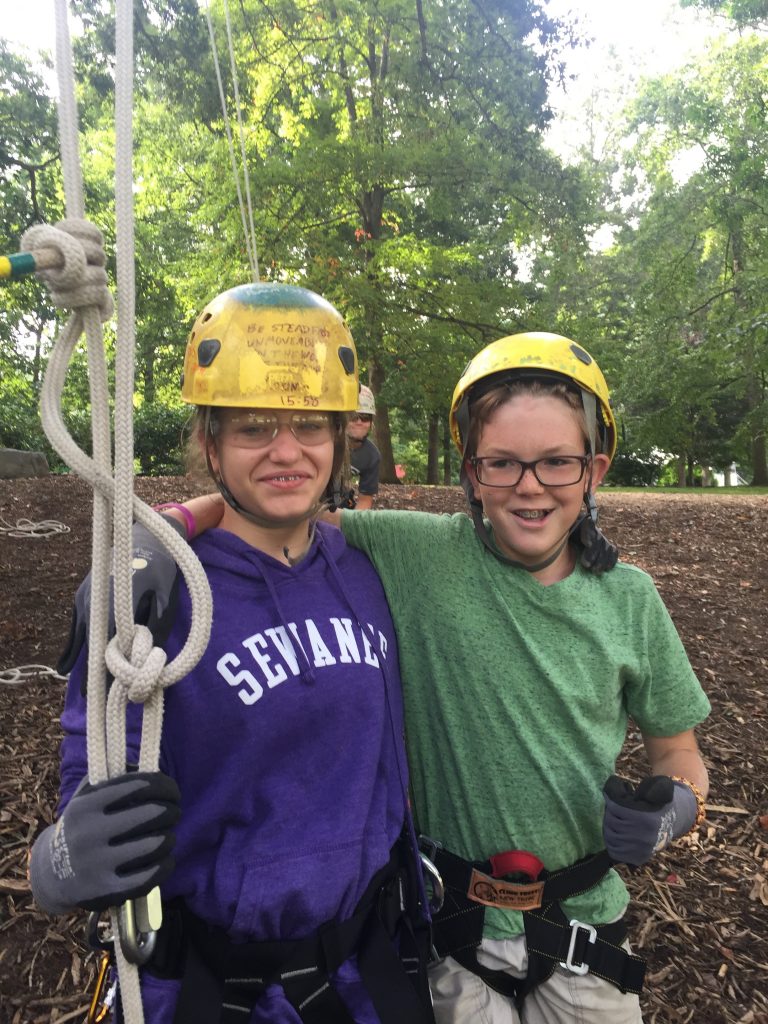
x: 482, y: 409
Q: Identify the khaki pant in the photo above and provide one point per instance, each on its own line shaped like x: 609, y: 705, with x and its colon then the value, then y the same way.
x: 460, y: 997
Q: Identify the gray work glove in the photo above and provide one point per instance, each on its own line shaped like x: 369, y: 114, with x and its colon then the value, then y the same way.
x: 155, y: 592
x: 638, y: 822
x: 112, y: 843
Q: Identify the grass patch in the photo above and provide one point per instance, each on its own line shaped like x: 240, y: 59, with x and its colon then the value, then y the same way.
x: 709, y: 492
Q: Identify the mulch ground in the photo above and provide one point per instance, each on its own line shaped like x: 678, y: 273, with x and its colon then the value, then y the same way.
x: 699, y: 911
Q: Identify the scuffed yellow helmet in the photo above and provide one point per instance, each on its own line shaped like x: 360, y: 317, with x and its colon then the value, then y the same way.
x: 533, y: 354
x: 271, y: 346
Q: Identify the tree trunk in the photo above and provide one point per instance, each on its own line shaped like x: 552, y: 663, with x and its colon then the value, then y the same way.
x: 681, y: 464
x: 447, y: 452
x: 759, y: 462
x: 383, y: 434
x: 433, y: 448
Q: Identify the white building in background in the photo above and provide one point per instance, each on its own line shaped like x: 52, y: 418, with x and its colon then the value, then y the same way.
x: 730, y: 478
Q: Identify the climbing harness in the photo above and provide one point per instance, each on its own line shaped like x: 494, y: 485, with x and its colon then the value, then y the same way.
x: 517, y: 880
x: 29, y: 528
x: 221, y: 980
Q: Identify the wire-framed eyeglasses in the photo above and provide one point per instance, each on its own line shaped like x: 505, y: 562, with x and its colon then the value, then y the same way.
x: 552, y: 471
x: 248, y: 429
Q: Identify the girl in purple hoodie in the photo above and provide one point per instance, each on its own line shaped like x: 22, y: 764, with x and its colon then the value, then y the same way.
x: 278, y: 825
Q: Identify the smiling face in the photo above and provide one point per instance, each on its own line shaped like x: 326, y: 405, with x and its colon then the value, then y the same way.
x: 359, y: 427
x: 530, y: 520
x: 280, y: 480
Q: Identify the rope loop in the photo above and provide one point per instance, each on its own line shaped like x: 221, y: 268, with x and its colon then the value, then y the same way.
x: 81, y: 280
x: 139, y: 674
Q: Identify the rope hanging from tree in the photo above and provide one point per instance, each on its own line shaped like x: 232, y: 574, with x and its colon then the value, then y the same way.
x: 249, y: 230
x: 76, y: 276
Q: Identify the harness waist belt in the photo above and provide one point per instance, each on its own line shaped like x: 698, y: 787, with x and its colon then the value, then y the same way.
x: 222, y: 980
x: 551, y: 938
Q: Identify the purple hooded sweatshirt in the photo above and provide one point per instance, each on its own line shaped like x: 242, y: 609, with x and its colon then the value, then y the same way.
x: 286, y: 741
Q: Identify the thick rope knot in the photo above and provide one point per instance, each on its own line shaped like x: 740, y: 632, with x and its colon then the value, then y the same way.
x: 138, y: 675
x: 81, y: 281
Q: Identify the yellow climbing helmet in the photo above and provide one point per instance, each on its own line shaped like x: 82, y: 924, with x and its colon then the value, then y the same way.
x: 271, y: 346
x: 533, y: 354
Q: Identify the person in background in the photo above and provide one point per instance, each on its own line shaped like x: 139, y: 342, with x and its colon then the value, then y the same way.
x: 364, y: 456
x: 278, y: 824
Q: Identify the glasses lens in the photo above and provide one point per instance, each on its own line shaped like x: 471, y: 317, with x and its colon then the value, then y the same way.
x: 311, y: 427
x: 257, y: 429
x: 362, y: 416
x: 554, y: 471
x: 248, y: 429
x: 559, y: 470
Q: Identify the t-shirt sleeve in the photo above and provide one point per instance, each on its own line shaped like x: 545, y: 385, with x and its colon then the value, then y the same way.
x: 369, y: 472
x: 395, y: 541
x: 667, y: 698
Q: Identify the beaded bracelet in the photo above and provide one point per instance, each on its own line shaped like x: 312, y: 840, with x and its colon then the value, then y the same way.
x: 701, y: 811
x: 189, y: 519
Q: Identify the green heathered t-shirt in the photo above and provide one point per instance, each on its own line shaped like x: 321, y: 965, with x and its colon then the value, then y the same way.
x: 517, y: 695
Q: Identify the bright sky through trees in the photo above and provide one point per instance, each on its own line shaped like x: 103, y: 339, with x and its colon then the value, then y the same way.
x: 630, y: 41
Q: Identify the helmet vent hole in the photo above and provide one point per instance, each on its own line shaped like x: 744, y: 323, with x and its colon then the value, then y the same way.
x: 347, y: 357
x: 205, y: 318
x: 207, y: 351
x: 585, y: 357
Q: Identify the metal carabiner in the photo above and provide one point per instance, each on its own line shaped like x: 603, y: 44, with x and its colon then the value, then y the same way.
x: 99, y: 1008
x: 433, y: 882
x: 138, y: 922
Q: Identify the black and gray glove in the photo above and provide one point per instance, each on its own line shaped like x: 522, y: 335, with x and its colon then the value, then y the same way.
x: 155, y: 592
x: 112, y: 843
x: 638, y: 822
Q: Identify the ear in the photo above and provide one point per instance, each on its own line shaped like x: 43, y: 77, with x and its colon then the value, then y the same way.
x: 600, y: 466
x: 469, y: 469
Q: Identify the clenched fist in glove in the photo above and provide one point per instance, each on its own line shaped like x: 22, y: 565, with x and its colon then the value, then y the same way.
x: 112, y: 843
x: 155, y: 586
x: 638, y: 822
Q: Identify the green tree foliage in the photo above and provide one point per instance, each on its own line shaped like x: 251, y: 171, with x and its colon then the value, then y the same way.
x: 745, y: 13
x: 701, y: 247
x: 396, y: 158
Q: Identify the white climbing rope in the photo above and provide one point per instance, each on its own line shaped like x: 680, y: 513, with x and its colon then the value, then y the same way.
x: 249, y: 230
x: 23, y: 673
x: 28, y: 528
x: 80, y: 285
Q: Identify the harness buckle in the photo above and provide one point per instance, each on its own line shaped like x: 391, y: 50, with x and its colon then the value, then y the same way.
x: 576, y: 927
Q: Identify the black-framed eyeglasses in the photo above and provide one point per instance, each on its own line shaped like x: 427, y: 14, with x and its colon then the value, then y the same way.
x: 552, y: 471
x: 364, y: 417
